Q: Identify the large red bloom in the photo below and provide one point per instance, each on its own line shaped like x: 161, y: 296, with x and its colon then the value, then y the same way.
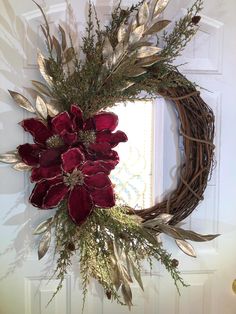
x: 94, y: 136
x: 85, y: 184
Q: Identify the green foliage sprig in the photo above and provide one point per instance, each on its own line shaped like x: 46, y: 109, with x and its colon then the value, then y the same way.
x: 111, y: 246
x: 93, y: 86
x: 185, y: 28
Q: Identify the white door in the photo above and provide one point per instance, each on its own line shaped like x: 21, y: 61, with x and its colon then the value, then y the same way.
x: 24, y: 287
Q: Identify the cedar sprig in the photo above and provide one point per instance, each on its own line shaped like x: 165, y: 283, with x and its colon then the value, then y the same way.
x: 184, y: 30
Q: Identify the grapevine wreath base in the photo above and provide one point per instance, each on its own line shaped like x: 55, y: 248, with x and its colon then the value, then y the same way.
x: 197, y: 128
x: 74, y: 140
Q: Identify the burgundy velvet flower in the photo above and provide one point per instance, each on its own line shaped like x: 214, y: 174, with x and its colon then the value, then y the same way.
x: 71, y: 159
x: 84, y: 184
x: 94, y: 136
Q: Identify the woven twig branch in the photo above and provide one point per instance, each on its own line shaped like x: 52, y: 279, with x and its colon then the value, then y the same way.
x: 197, y: 128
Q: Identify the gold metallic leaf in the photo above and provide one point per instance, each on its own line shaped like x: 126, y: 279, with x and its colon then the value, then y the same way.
x: 63, y: 37
x: 164, y: 218
x: 107, y: 64
x: 107, y: 48
x: 193, y: 236
x: 44, y: 16
x: 44, y: 31
x: 170, y: 231
x: 43, y: 226
x: 9, y: 158
x: 127, y: 85
x: 161, y: 219
x: 44, y: 244
x: 151, y: 238
x: 124, y: 273
x: 234, y: 286
x: 127, y: 294
x: 137, y: 219
x: 114, y: 59
x: 135, y: 72
x: 21, y: 166
x: 159, y: 7
x: 149, y: 61
x: 122, y: 32
x: 69, y: 54
x: 14, y: 151
x: 136, y: 35
x: 147, y: 51
x: 53, y: 109
x: 141, y: 44
x: 22, y: 101
x: 119, y: 50
x: 42, y: 88
x: 41, y: 108
x: 157, y: 27
x: 57, y: 47
x: 134, y: 24
x: 127, y: 262
x: 186, y: 247
x: 115, y: 275
x: 43, y: 68
x: 116, y: 251
x: 181, y: 234
x: 45, y: 28
x: 137, y: 274
x: 143, y: 14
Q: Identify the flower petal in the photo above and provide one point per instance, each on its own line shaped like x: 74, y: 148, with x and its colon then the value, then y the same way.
x: 40, y: 173
x: 99, y: 181
x: 37, y: 129
x: 112, y: 138
x: 80, y: 204
x: 77, y: 116
x: 109, y: 156
x: 50, y: 157
x: 112, y: 156
x: 62, y: 122
x: 76, y: 111
x: 29, y: 154
x: 93, y: 167
x: 69, y: 138
x: 104, y: 197
x: 108, y: 165
x: 100, y: 147
x: 89, y: 124
x: 72, y: 159
x: 55, y: 195
x: 105, y: 121
x: 38, y: 193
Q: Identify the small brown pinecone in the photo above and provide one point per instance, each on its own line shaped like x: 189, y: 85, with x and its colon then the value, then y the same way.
x: 175, y: 263
x: 71, y: 246
x: 196, y: 19
x: 108, y: 293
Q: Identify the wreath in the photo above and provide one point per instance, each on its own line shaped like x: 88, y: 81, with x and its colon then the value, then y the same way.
x: 74, y: 139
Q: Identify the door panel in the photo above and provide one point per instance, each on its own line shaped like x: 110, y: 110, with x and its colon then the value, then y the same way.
x: 210, y: 58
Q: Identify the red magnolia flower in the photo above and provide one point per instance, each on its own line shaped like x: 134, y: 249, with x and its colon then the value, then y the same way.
x: 93, y: 136
x: 95, y: 133
x: 84, y: 184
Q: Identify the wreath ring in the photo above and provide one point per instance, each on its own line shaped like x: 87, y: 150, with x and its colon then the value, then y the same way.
x: 197, y: 128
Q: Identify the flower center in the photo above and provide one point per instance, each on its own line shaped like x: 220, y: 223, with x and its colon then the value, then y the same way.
x: 74, y: 178
x: 87, y: 137
x: 54, y: 141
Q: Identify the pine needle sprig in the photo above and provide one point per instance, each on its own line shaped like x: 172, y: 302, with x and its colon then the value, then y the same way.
x: 184, y: 30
